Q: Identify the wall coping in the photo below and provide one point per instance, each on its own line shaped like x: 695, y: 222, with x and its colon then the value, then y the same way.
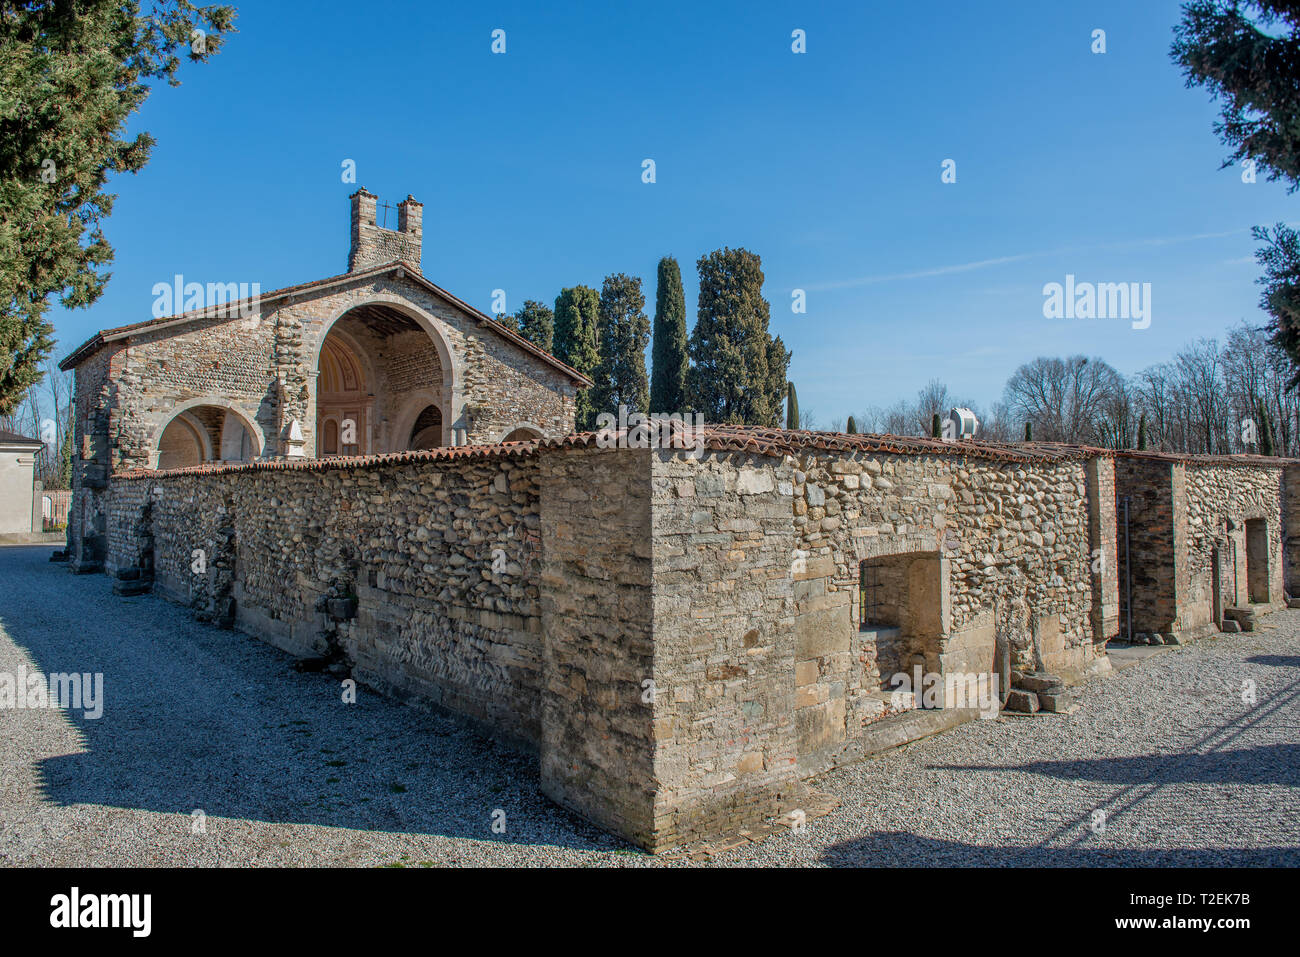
x: 775, y: 443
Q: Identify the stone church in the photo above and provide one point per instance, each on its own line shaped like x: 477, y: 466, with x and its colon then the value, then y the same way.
x: 377, y: 359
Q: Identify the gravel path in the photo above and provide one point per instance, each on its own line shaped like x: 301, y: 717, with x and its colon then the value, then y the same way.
x: 1186, y: 771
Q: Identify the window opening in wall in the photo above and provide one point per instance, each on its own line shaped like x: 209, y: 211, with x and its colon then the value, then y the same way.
x: 1257, y: 560
x: 869, y: 612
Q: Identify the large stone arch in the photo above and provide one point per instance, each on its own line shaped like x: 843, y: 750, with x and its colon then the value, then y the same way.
x: 537, y: 432
x: 414, y: 405
x: 185, y: 411
x: 449, y: 398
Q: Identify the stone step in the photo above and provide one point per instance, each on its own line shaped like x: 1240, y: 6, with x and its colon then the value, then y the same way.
x: 1245, y: 617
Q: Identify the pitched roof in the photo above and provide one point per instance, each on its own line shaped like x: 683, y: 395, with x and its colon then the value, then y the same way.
x: 226, y: 309
x: 14, y: 438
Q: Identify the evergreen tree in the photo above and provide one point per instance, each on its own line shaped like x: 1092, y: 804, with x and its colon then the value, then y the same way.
x: 577, y: 312
x: 791, y: 407
x: 1142, y: 432
x: 1248, y: 57
x: 852, y: 427
x: 1265, y: 428
x: 936, y: 427
x: 668, y: 351
x: 71, y: 74
x: 65, y: 456
x: 536, y: 323
x: 738, y: 371
x: 509, y: 321
x: 576, y: 317
x: 1029, y: 431
x: 624, y: 333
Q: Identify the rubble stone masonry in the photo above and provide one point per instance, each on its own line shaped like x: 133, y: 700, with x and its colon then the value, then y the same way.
x: 1200, y: 529
x: 678, y: 638
x: 682, y: 640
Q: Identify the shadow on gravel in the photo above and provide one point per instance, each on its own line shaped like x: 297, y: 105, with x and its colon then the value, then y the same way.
x: 1269, y: 764
x: 1277, y: 661
x: 903, y: 849
x: 196, y: 717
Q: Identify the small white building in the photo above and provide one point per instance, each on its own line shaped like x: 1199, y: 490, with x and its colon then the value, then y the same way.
x: 17, y: 472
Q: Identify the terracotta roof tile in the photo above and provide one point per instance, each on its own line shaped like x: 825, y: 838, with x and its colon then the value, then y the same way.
x: 727, y: 438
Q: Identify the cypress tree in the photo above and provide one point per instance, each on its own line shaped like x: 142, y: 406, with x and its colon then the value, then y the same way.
x: 1029, y: 431
x: 669, y: 362
x: 576, y: 317
x: 536, y: 323
x: 1142, y: 432
x: 852, y: 426
x: 738, y: 371
x: 65, y: 456
x: 936, y: 427
x: 624, y: 333
x: 791, y: 407
x: 1265, y: 428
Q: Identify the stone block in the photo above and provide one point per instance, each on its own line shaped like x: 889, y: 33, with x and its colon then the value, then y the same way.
x: 1024, y: 702
x: 822, y: 633
x: 1035, y: 681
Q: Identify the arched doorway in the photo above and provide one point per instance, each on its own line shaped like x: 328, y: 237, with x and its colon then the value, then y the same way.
x: 343, y: 405
x: 205, y: 433
x: 182, y: 444
x: 524, y: 433
x: 427, y: 431
x: 382, y: 383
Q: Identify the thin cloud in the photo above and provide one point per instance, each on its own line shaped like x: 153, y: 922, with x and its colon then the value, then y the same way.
x: 923, y: 273
x: 1003, y: 260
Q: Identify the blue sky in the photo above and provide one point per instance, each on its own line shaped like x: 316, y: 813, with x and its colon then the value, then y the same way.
x: 825, y: 163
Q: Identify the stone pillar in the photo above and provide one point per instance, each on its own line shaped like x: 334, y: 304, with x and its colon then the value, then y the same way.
x: 1291, y: 528
x: 1104, y: 555
x: 38, y: 523
x: 410, y: 219
x: 598, y: 728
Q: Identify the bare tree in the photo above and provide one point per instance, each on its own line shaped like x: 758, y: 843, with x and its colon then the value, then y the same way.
x: 933, y: 399
x: 1065, y: 399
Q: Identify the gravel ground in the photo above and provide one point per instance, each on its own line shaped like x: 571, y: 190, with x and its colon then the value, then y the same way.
x: 1186, y: 772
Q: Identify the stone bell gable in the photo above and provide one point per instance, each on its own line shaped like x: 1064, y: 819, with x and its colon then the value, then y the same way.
x: 377, y: 360
x: 373, y: 245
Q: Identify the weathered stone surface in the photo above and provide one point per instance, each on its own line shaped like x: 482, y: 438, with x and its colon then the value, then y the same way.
x: 681, y: 640
x: 1024, y: 702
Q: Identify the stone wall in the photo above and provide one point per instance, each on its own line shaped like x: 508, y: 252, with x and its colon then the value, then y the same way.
x: 94, y: 421
x: 1222, y: 505
x: 1188, y: 528
x: 598, y: 705
x: 1291, y: 544
x: 393, y: 571
x: 263, y: 370
x: 681, y: 639
x: 977, y: 547
x: 1144, y: 509
x: 724, y: 642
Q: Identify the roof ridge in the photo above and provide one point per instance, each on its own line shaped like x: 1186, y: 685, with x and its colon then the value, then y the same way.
x: 226, y: 309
